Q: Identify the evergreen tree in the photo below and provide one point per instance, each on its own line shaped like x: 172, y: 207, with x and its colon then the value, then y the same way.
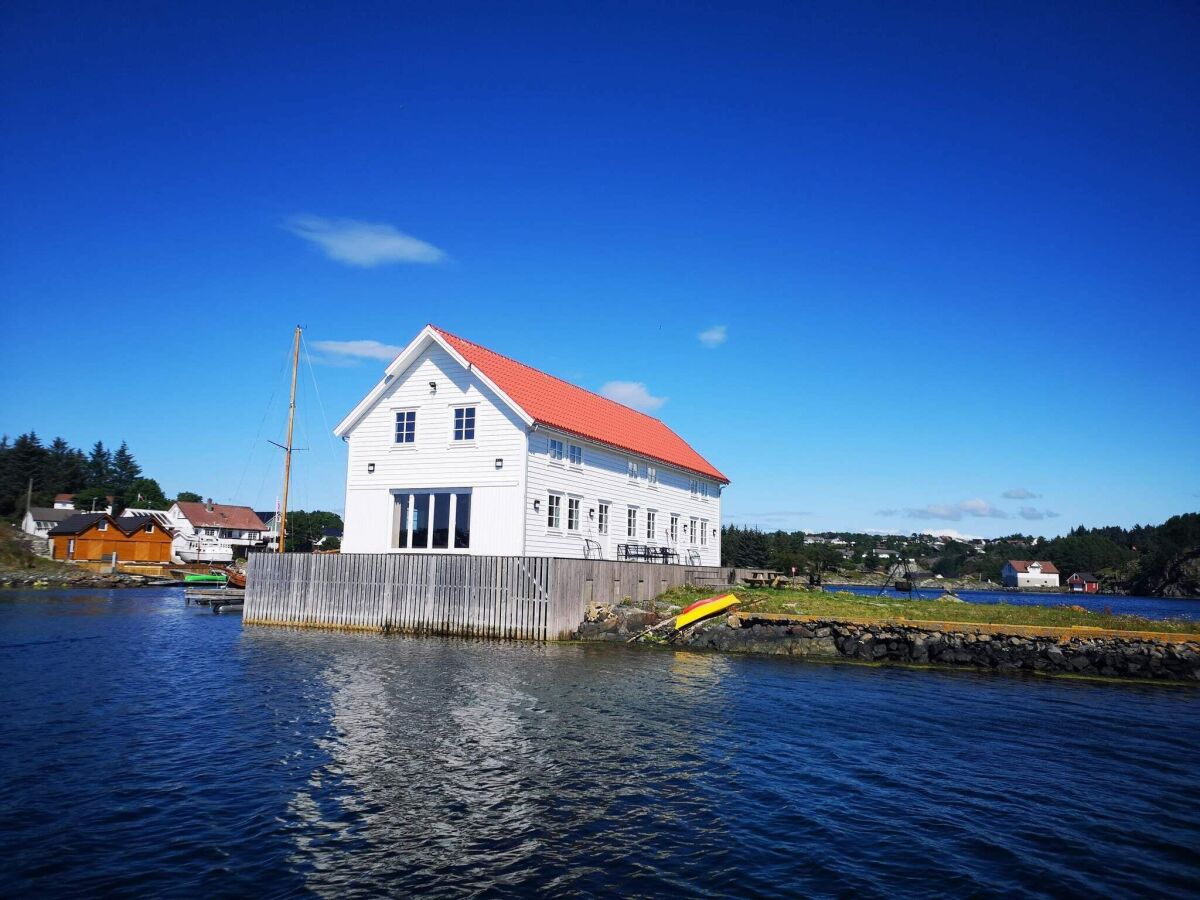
x: 124, y: 468
x: 99, y: 466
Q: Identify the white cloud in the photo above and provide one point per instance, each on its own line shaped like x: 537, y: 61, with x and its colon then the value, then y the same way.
x: 1034, y: 514
x: 632, y: 393
x: 1021, y: 494
x: 713, y: 337
x: 358, y: 349
x: 975, y: 508
x: 364, y: 244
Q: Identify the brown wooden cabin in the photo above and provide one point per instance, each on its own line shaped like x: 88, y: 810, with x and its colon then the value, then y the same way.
x: 97, y: 536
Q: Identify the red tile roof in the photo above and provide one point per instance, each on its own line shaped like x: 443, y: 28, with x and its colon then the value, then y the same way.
x: 558, y: 404
x: 1022, y: 565
x: 221, y: 516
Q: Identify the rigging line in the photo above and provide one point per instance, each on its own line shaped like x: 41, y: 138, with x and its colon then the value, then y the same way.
x: 261, y: 422
x: 320, y: 403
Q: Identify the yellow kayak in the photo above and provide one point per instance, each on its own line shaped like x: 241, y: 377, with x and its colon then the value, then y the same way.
x: 702, y: 609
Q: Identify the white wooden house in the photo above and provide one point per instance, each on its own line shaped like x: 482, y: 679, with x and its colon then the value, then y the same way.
x: 461, y: 450
x: 1022, y: 573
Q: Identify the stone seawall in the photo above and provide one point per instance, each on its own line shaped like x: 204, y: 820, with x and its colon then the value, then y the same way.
x: 982, y: 647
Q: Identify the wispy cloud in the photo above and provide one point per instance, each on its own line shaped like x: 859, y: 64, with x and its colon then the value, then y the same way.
x: 632, y: 393
x: 1021, y: 494
x: 713, y: 337
x: 359, y: 349
x: 772, y: 515
x: 1034, y: 514
x: 975, y: 508
x: 365, y: 244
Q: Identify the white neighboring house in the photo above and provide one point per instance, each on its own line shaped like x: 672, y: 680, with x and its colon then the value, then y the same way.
x: 1021, y: 573
x: 67, y: 501
x: 211, y: 532
x: 39, y: 520
x: 461, y: 450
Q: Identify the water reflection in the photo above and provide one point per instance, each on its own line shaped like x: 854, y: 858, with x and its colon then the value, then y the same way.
x: 268, y: 762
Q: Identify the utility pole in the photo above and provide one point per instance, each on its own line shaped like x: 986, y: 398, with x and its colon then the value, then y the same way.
x: 287, y: 459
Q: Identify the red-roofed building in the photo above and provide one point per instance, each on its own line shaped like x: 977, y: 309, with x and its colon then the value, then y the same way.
x: 1024, y: 573
x: 462, y: 449
x: 213, y: 532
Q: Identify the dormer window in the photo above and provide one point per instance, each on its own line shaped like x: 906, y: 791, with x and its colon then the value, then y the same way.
x: 556, y: 449
x: 575, y: 455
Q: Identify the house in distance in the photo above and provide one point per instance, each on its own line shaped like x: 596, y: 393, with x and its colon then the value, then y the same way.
x: 461, y: 450
x: 99, y: 537
x: 1023, y: 573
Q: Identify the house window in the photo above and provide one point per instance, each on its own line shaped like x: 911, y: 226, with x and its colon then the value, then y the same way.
x: 602, y: 519
x: 704, y: 532
x: 71, y: 548
x: 693, y: 527
x: 650, y: 517
x: 575, y: 455
x: 631, y: 522
x: 572, y: 514
x: 406, y: 426
x: 651, y: 475
x: 429, y: 520
x: 674, y: 529
x: 102, y: 525
x: 149, y: 528
x: 695, y: 487
x: 556, y: 449
x: 464, y: 423
x: 554, y: 511
x: 633, y: 470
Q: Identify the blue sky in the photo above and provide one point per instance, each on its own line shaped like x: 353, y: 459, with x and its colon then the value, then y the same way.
x: 939, y: 254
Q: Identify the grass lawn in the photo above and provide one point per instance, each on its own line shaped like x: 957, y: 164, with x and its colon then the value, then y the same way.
x: 857, y: 608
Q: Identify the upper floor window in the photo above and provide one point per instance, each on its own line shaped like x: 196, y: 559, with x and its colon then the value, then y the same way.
x: 575, y: 455
x: 695, y: 487
x: 554, y: 511
x: 556, y: 448
x: 602, y: 519
x: 406, y: 426
x: 650, y: 516
x: 633, y: 470
x: 572, y: 514
x: 651, y: 475
x: 149, y: 528
x: 464, y: 423
x: 631, y: 522
x: 102, y: 525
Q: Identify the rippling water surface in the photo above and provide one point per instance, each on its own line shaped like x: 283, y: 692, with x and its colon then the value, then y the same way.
x: 153, y: 748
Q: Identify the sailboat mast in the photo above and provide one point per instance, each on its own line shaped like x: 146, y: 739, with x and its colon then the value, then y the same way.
x: 287, y: 451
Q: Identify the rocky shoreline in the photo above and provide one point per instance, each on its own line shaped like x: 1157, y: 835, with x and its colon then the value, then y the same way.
x: 1110, y: 656
x: 70, y: 578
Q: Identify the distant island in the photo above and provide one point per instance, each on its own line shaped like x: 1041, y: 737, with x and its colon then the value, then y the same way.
x: 1152, y: 560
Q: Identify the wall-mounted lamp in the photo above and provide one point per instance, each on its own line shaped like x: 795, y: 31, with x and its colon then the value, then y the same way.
x: 537, y: 505
x: 433, y: 387
x: 685, y: 528
x: 499, y: 463
x: 370, y: 468
x: 592, y: 513
x: 714, y: 532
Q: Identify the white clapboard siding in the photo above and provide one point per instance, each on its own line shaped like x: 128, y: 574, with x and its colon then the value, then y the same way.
x: 434, y: 459
x: 604, y: 476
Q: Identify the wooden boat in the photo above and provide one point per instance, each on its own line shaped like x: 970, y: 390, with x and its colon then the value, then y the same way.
x: 237, y: 578
x: 704, y: 609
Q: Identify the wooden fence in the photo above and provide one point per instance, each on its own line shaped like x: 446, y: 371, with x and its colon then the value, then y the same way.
x: 524, y: 597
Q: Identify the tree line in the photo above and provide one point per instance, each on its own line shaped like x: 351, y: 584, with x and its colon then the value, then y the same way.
x: 92, y: 476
